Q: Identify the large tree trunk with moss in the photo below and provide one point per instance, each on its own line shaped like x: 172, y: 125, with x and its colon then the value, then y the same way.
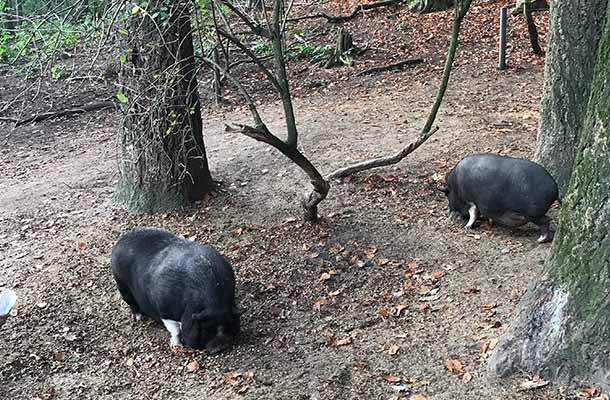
x: 163, y: 162
x: 562, y: 328
x: 575, y: 29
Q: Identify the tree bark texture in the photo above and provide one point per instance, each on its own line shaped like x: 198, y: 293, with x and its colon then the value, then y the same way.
x: 575, y: 29
x: 163, y: 162
x: 562, y: 328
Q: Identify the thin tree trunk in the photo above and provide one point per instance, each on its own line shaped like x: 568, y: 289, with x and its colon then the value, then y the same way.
x: 163, y: 162
x: 562, y: 328
x: 531, y: 30
x: 575, y: 29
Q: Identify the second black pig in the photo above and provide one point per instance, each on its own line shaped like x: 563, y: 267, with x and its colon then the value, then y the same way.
x: 510, y: 191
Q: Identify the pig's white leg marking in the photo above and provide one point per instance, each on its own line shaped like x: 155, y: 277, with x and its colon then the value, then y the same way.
x: 136, y: 316
x: 472, y: 211
x: 174, y: 329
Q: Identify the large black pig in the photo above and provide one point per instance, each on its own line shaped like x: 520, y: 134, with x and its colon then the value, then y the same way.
x: 510, y: 191
x: 188, y: 286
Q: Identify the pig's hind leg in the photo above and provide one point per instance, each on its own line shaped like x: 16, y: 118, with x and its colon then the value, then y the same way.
x: 472, y: 216
x: 545, y: 231
x: 174, y: 330
x: 130, y: 300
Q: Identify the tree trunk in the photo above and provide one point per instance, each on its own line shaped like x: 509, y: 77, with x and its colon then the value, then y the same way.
x: 575, y: 29
x: 562, y: 328
x: 163, y: 162
x: 531, y: 30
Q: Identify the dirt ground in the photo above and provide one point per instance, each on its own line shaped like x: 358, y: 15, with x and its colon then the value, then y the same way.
x: 370, y: 303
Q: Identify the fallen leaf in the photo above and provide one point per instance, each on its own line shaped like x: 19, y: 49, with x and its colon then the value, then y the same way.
x: 388, y: 178
x: 484, y: 346
x: 343, y: 342
x: 471, y: 290
x: 399, y: 308
x: 454, y: 366
x: 129, y: 362
x: 384, y: 312
x: 588, y: 392
x: 467, y: 377
x: 192, y: 366
x: 325, y: 276
x: 492, y: 343
x: 319, y: 303
x: 243, y: 389
x: 392, y: 378
x: 418, y: 396
x: 489, y: 306
x: 230, y: 378
x: 530, y: 385
x: 440, y: 163
x: 393, y: 349
x: 248, y: 374
x: 383, y: 261
x: 360, y: 365
x: 82, y: 245
x: 423, y: 290
x: 412, y: 265
x: 438, y: 274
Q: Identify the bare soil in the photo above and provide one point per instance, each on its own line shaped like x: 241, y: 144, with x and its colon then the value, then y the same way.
x: 328, y: 304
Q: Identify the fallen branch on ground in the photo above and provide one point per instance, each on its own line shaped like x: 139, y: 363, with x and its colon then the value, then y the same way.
x: 355, y: 11
x: 398, y: 65
x: 102, y: 105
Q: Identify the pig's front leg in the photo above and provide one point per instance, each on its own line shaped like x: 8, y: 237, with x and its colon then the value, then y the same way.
x: 174, y: 329
x: 472, y: 212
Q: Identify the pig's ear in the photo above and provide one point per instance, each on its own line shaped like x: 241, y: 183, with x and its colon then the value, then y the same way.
x: 443, y: 188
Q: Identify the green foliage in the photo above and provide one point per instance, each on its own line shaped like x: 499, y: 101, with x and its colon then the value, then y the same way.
x: 58, y: 72
x: 262, y: 48
x: 301, y: 50
x: 34, y: 44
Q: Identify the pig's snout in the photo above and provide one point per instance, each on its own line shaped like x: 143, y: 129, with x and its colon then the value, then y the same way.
x: 220, y: 342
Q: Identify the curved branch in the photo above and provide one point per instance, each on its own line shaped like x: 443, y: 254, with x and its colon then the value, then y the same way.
x: 427, y: 131
x: 320, y: 185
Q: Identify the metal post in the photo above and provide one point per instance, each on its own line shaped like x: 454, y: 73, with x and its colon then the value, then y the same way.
x: 502, y: 49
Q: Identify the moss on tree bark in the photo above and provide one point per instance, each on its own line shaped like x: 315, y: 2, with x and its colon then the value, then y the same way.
x: 575, y: 29
x: 562, y: 329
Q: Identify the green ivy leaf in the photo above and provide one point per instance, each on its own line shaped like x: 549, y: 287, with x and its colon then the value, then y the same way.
x: 122, y: 57
x: 123, y: 32
x: 135, y: 9
x: 121, y: 97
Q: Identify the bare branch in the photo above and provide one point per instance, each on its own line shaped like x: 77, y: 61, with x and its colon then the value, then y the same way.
x: 251, y: 24
x: 381, y: 161
x: 460, y: 11
x: 253, y: 56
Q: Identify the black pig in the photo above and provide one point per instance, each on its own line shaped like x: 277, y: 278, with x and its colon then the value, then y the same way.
x: 188, y: 286
x: 511, y: 191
